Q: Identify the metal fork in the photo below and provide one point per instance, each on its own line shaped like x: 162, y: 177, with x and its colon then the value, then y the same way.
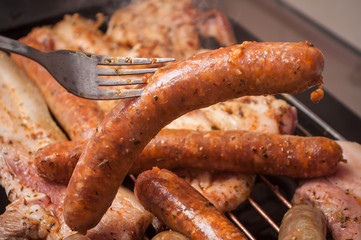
x: 78, y: 72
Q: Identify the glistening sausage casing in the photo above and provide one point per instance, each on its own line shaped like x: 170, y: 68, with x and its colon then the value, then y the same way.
x: 236, y: 151
x: 247, y: 69
x: 182, y: 208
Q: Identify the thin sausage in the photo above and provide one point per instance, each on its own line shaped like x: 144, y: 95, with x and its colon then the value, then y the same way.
x: 236, y: 151
x: 247, y: 69
x: 182, y: 208
x: 241, y: 151
x: 303, y: 222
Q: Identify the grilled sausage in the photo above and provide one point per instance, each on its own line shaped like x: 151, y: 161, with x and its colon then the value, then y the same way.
x: 82, y: 116
x: 238, y: 151
x: 241, y: 151
x: 182, y: 208
x: 247, y: 69
x: 76, y: 236
x: 62, y: 155
x: 303, y: 222
x: 168, y: 235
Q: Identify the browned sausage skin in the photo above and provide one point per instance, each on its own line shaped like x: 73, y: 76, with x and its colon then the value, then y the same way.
x: 247, y: 69
x: 57, y: 161
x: 166, y: 235
x: 303, y: 222
x: 236, y: 151
x: 241, y: 151
x: 182, y: 208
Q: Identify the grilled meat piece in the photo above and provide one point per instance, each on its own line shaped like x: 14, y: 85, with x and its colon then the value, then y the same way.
x: 22, y: 106
x: 338, y: 196
x: 25, y: 218
x: 225, y: 190
x: 167, y: 28
x: 303, y: 222
x: 182, y: 208
x: 253, y: 113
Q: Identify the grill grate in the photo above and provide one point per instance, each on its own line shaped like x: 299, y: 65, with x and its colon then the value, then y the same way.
x: 259, y: 209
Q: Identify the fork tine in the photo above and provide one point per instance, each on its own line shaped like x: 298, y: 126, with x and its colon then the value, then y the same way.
x: 118, y: 72
x: 113, y: 94
x: 111, y: 60
x: 117, y: 82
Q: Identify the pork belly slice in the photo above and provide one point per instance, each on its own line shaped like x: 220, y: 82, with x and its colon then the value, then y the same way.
x: 339, y: 195
x: 24, y: 114
x: 255, y: 113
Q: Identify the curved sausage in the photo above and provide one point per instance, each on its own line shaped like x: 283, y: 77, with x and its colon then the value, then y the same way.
x: 303, y: 222
x: 247, y: 69
x: 181, y: 207
x: 236, y: 151
x: 81, y: 116
x: 61, y: 155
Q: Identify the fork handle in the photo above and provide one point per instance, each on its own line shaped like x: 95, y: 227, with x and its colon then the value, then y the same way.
x: 10, y: 45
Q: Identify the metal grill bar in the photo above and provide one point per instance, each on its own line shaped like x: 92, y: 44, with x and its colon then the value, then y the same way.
x: 264, y: 214
x: 302, y: 129
x: 240, y: 225
x: 300, y: 106
x: 275, y: 191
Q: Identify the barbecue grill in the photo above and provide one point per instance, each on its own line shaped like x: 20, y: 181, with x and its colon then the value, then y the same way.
x: 260, y: 216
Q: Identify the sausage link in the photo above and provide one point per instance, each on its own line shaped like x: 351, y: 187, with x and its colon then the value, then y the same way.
x: 247, y: 69
x: 166, y: 235
x: 182, y: 208
x: 241, y: 151
x: 303, y: 222
x: 236, y: 151
x: 57, y: 161
x: 79, y: 117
